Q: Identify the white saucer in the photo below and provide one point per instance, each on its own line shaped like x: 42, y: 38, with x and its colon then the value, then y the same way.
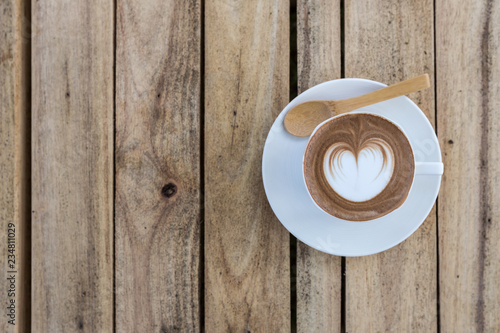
x: 290, y: 201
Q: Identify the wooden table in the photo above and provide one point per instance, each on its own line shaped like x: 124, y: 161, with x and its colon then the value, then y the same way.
x: 131, y: 142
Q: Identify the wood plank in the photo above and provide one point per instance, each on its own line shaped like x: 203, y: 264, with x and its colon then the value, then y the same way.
x: 247, y: 271
x: 468, y: 101
x: 394, y: 291
x: 158, y: 166
x: 72, y: 170
x: 318, y: 274
x: 14, y: 163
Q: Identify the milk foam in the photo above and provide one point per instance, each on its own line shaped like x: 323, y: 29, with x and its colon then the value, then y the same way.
x: 359, y: 175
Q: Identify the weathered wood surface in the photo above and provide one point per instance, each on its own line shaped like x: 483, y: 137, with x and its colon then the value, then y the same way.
x: 14, y: 164
x: 155, y: 146
x: 468, y: 104
x: 318, y: 59
x: 158, y: 166
x: 72, y: 170
x: 394, y: 291
x: 247, y: 275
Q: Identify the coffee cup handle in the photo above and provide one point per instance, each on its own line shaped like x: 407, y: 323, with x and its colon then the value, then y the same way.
x: 429, y: 168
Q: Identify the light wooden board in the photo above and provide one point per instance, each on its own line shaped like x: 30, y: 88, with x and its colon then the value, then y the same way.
x: 22, y: 97
x: 247, y: 273
x: 14, y: 164
x: 158, y: 166
x: 318, y: 60
x: 468, y: 104
x: 72, y: 170
x: 394, y: 291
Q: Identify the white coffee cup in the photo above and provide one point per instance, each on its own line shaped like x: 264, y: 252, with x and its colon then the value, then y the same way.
x: 420, y: 168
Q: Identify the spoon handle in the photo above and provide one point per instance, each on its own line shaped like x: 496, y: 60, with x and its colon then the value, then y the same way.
x: 399, y: 89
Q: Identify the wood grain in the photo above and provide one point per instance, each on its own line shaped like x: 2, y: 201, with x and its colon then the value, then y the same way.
x: 158, y: 166
x: 72, y: 170
x: 468, y: 101
x: 247, y: 275
x: 14, y: 165
x: 394, y: 291
x: 318, y: 60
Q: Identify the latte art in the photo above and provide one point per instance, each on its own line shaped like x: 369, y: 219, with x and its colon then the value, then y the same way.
x: 359, y: 174
x: 358, y: 167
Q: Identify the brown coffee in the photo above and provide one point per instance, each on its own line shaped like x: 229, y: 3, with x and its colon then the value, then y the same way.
x: 359, y: 167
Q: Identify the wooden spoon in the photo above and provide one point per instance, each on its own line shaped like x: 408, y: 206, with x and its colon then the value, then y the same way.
x: 303, y: 118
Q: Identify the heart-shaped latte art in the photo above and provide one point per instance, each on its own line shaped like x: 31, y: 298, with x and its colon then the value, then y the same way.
x: 358, y: 167
x: 359, y: 174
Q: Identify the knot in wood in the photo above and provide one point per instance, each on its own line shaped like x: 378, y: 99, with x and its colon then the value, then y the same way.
x: 169, y: 190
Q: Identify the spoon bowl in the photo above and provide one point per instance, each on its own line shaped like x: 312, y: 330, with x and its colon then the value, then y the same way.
x: 303, y: 119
